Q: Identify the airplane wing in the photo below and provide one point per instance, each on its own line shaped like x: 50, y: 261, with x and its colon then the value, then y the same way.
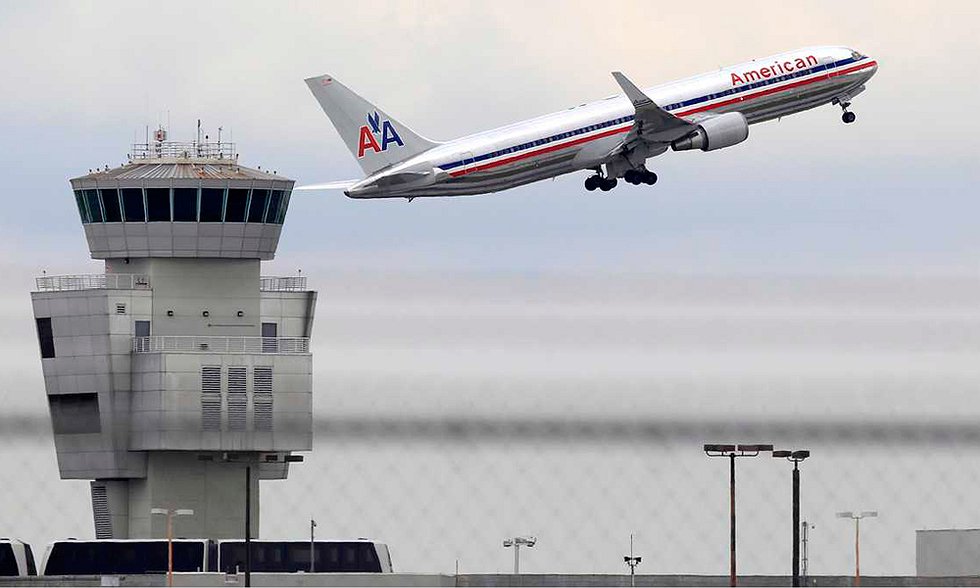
x: 338, y: 185
x: 653, y: 126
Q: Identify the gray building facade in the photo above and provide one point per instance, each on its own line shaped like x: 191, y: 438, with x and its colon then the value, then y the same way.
x: 947, y: 552
x: 180, y: 366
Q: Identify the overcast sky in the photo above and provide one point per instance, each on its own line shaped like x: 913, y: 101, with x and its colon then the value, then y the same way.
x: 816, y: 270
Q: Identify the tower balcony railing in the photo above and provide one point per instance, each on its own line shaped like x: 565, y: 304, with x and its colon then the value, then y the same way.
x: 282, y: 283
x: 93, y: 282
x: 211, y: 344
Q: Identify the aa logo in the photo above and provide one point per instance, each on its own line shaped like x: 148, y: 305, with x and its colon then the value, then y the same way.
x: 373, y: 131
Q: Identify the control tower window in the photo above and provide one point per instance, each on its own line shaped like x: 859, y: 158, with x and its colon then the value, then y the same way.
x: 256, y: 207
x: 158, y: 204
x: 110, y: 204
x: 185, y: 205
x: 237, y: 201
x: 133, y: 205
x: 282, y: 208
x: 82, y: 208
x: 274, y: 202
x: 212, y: 203
x: 45, y: 337
x: 94, y: 210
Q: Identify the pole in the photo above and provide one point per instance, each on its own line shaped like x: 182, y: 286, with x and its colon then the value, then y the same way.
x: 632, y: 564
x: 170, y: 547
x: 796, y: 523
x: 733, y: 579
x: 806, y: 558
x: 248, y: 526
x: 857, y: 551
x: 517, y: 557
x: 312, y: 552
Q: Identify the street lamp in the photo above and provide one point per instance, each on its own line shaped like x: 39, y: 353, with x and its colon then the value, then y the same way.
x: 632, y: 561
x: 170, y: 513
x: 796, y: 457
x: 866, y: 514
x: 731, y: 452
x: 516, y: 543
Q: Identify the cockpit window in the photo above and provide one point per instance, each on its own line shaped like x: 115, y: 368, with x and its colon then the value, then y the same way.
x: 857, y: 55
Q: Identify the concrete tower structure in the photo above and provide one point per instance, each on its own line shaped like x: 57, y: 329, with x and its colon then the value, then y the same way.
x: 181, y: 366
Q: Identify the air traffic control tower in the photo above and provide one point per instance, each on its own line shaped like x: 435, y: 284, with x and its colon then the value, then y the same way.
x: 180, y: 366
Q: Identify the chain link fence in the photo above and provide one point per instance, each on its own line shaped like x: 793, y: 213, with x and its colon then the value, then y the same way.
x: 454, y: 413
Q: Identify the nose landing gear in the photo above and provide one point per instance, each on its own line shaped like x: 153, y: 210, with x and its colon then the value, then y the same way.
x: 848, y: 117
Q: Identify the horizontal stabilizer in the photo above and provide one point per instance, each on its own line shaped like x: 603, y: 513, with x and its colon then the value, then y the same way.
x: 337, y: 185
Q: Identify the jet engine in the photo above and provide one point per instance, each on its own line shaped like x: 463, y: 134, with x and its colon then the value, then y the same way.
x: 716, y: 132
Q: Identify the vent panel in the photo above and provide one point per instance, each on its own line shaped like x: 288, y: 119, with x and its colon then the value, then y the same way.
x: 237, y: 398
x: 100, y: 511
x: 262, y: 398
x: 211, y: 398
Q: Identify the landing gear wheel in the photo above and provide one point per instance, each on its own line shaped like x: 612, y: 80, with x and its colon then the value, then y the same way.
x: 848, y: 117
x: 633, y: 176
x: 592, y: 182
x: 608, y: 184
x: 649, y: 178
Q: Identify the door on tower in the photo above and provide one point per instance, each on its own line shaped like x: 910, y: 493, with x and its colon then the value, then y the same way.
x: 270, y: 332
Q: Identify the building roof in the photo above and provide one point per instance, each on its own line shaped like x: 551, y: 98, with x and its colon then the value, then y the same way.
x: 175, y: 168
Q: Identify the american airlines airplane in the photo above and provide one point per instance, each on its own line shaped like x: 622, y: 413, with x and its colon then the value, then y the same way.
x: 613, y: 137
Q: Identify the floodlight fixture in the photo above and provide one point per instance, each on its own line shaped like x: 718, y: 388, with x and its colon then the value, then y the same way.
x: 795, y: 456
x: 516, y: 543
x: 731, y: 451
x: 864, y: 514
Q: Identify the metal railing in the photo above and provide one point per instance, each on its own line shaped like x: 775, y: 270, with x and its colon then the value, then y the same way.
x: 183, y: 150
x: 282, y: 283
x: 93, y: 282
x: 206, y: 344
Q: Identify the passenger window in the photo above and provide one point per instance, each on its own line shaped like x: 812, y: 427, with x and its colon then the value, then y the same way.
x: 256, y: 207
x: 94, y: 210
x: 235, y: 208
x: 133, y: 205
x: 212, y: 202
x: 110, y: 204
x: 158, y: 205
x: 185, y: 204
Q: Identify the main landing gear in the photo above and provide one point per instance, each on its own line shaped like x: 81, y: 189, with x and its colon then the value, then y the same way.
x: 848, y: 117
x: 632, y: 176
x: 597, y: 181
x: 640, y: 176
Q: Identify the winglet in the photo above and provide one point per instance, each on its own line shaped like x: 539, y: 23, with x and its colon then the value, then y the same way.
x: 636, y: 96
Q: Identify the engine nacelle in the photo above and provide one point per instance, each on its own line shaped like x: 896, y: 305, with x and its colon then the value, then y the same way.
x: 716, y: 132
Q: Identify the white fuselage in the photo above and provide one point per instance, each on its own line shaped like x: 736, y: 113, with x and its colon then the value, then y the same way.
x: 566, y: 141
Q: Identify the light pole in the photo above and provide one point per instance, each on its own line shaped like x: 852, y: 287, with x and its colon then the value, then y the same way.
x: 866, y: 514
x: 170, y: 513
x: 312, y: 553
x: 516, y: 543
x: 796, y: 457
x: 632, y: 561
x: 731, y: 452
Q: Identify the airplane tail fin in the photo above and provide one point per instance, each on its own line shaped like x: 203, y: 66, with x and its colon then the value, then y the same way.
x: 375, y: 139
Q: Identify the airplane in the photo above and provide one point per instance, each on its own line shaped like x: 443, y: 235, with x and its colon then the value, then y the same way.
x: 613, y: 137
